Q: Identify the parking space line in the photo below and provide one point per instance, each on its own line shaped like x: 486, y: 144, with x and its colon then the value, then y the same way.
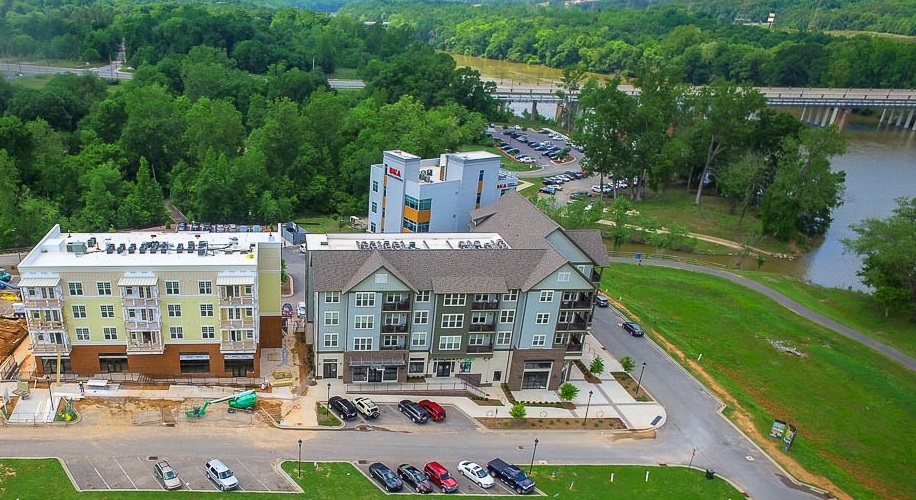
x: 132, y: 483
x: 255, y: 475
x: 152, y: 475
x: 97, y: 472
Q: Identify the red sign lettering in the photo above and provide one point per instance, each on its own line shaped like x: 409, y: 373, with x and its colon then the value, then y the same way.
x: 394, y: 172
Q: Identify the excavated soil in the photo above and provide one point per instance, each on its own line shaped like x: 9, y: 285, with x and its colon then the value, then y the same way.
x: 12, y: 332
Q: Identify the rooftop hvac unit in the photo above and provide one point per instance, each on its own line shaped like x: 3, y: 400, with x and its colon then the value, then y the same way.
x: 76, y: 247
x: 91, y: 243
x: 180, y: 248
x: 109, y: 248
x: 164, y: 248
x: 122, y: 248
x: 201, y: 251
x: 132, y: 248
x: 143, y: 247
x: 191, y: 246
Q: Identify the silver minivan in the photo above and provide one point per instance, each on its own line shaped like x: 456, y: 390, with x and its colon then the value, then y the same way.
x: 221, y: 475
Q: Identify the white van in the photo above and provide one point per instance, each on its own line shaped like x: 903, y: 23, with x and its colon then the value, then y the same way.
x: 19, y: 309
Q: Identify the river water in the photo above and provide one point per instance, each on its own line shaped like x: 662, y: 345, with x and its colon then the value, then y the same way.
x: 880, y: 166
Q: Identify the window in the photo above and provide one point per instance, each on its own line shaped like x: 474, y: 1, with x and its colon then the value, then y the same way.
x: 561, y: 338
x: 110, y: 333
x: 374, y: 207
x: 420, y: 317
x: 539, y: 340
x: 415, y: 366
x: 107, y: 310
x: 76, y: 287
x: 375, y: 186
x: 206, y: 310
x: 331, y: 318
x: 454, y: 299
x: 82, y: 333
x: 426, y: 204
x: 205, y: 287
x: 207, y: 332
x: 332, y: 297
x: 176, y: 332
x: 450, y: 343
x: 104, y: 287
x: 418, y: 339
x: 542, y: 319
x: 479, y: 318
x: 452, y: 320
x: 546, y: 295
x: 372, y: 227
x: 423, y: 296
x: 503, y: 338
x: 79, y: 311
x: 507, y: 316
x: 563, y: 277
x: 392, y: 341
x: 365, y: 299
x: 171, y: 288
x: 480, y: 176
x: 481, y: 297
x: 569, y: 296
x: 195, y: 362
x: 362, y: 344
x: 565, y: 317
x: 582, y: 269
x: 174, y: 310
x: 330, y: 340
x: 366, y: 322
x: 476, y: 339
x: 511, y: 296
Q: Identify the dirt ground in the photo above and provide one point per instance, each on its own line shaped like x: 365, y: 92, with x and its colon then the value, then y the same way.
x: 600, y: 424
x: 12, y: 331
x: 742, y: 418
x: 124, y: 412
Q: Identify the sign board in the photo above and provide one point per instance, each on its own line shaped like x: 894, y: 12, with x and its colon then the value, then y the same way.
x: 790, y: 438
x: 193, y: 357
x: 778, y: 429
x: 394, y: 172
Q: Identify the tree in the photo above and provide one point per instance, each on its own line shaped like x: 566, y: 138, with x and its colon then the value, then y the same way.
x: 568, y: 392
x: 622, y: 229
x: 569, y: 85
x: 597, y: 366
x: 518, y: 411
x: 888, y: 251
x: 144, y: 205
x: 628, y: 364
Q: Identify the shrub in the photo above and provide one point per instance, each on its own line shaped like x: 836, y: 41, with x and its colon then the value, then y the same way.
x: 597, y: 366
x: 518, y: 411
x: 627, y: 363
x: 568, y: 392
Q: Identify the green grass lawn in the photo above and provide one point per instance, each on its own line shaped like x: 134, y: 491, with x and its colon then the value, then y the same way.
x: 851, y: 308
x: 327, y: 224
x: 853, y: 407
x: 341, y: 480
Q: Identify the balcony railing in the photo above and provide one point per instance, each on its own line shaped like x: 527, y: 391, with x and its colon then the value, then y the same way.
x: 145, y: 348
x: 490, y: 305
x: 245, y: 346
x: 43, y: 326
x: 51, y: 348
x: 482, y: 327
x: 574, y: 347
x: 35, y: 302
x: 596, y: 277
x: 236, y: 323
x: 396, y: 306
x: 474, y: 349
x: 397, y: 347
x: 136, y: 326
x: 394, y: 328
x: 573, y: 326
x: 137, y: 301
x: 244, y: 300
x: 576, y: 304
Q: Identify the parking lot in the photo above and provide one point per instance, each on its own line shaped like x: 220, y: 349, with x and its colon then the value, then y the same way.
x: 136, y: 473
x: 465, y: 485
x: 391, y: 419
x: 519, y: 143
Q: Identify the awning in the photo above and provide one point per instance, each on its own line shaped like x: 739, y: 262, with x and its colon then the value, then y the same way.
x: 38, y: 282
x: 238, y: 356
x: 193, y: 357
x: 234, y: 280
x: 376, y: 359
x: 137, y: 281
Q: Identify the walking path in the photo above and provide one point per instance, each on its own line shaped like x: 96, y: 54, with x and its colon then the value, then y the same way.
x: 705, y: 237
x: 787, y: 303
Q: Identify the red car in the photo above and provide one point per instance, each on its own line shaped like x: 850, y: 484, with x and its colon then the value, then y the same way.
x: 287, y: 309
x: 436, y: 412
x: 440, y: 476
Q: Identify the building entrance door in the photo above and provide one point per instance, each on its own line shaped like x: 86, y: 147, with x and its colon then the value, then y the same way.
x: 443, y: 368
x: 330, y: 369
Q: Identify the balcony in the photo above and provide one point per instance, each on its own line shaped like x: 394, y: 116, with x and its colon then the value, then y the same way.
x: 396, y: 306
x: 394, y: 328
x: 244, y: 300
x: 482, y: 327
x: 45, y: 326
x: 476, y: 349
x: 576, y: 304
x: 237, y: 346
x: 40, y: 303
x: 145, y: 347
x: 490, y: 305
x: 234, y: 324
x: 137, y: 301
x: 43, y: 348
x: 573, y: 326
x: 400, y: 346
x: 574, y: 347
x: 140, y: 325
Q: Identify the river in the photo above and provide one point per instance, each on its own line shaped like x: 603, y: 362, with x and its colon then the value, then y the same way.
x: 880, y: 166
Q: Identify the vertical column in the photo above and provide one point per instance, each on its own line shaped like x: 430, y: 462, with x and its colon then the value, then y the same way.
x: 833, y: 116
x: 899, y: 118
x: 909, y: 119
x: 883, y: 112
x: 844, y: 118
x: 825, y: 117
x: 804, y: 112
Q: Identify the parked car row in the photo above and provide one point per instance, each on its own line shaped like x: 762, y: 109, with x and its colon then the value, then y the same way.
x: 221, y: 475
x: 560, y: 179
x: 435, y: 476
x: 419, y: 412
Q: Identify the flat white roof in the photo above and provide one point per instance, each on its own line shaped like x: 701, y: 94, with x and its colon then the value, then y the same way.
x: 476, y: 155
x: 425, y: 241
x: 72, y: 250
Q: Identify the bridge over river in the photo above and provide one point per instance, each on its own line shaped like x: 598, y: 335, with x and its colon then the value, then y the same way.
x: 822, y: 106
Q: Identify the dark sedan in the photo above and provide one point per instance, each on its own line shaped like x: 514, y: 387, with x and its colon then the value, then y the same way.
x: 415, y: 478
x: 413, y: 411
x: 385, y: 476
x: 633, y: 329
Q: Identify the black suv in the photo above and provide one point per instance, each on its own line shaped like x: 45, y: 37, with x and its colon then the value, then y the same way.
x: 415, y: 477
x: 413, y: 411
x: 343, y: 407
x: 511, y: 475
x: 633, y: 329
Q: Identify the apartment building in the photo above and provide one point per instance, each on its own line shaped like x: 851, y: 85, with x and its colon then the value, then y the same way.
x: 495, y: 305
x: 152, y: 303
x: 412, y: 195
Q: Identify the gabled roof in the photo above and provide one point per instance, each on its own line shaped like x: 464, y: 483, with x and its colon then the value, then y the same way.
x: 591, y: 242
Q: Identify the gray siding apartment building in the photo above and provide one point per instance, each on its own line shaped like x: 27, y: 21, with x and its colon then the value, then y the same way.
x: 510, y: 301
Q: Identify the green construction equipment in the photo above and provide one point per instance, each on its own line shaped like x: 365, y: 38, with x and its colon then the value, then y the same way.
x: 242, y: 401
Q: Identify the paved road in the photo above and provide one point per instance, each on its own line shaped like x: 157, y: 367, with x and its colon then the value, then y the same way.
x: 789, y: 304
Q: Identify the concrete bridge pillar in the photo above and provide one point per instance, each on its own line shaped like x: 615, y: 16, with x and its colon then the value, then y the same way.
x: 804, y: 112
x: 825, y: 116
x: 899, y: 118
x: 843, y: 119
x: 883, y: 112
x: 833, y: 116
x: 534, y: 110
x: 909, y: 119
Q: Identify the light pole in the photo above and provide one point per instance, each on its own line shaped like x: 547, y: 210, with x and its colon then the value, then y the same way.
x: 50, y: 394
x: 531, y: 466
x: 299, y: 460
x: 589, y: 403
x: 639, y: 382
x: 327, y: 406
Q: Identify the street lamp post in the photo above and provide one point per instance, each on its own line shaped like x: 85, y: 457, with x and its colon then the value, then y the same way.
x: 531, y: 466
x: 327, y: 407
x: 639, y: 382
x: 50, y: 394
x: 299, y: 460
x: 587, y: 404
